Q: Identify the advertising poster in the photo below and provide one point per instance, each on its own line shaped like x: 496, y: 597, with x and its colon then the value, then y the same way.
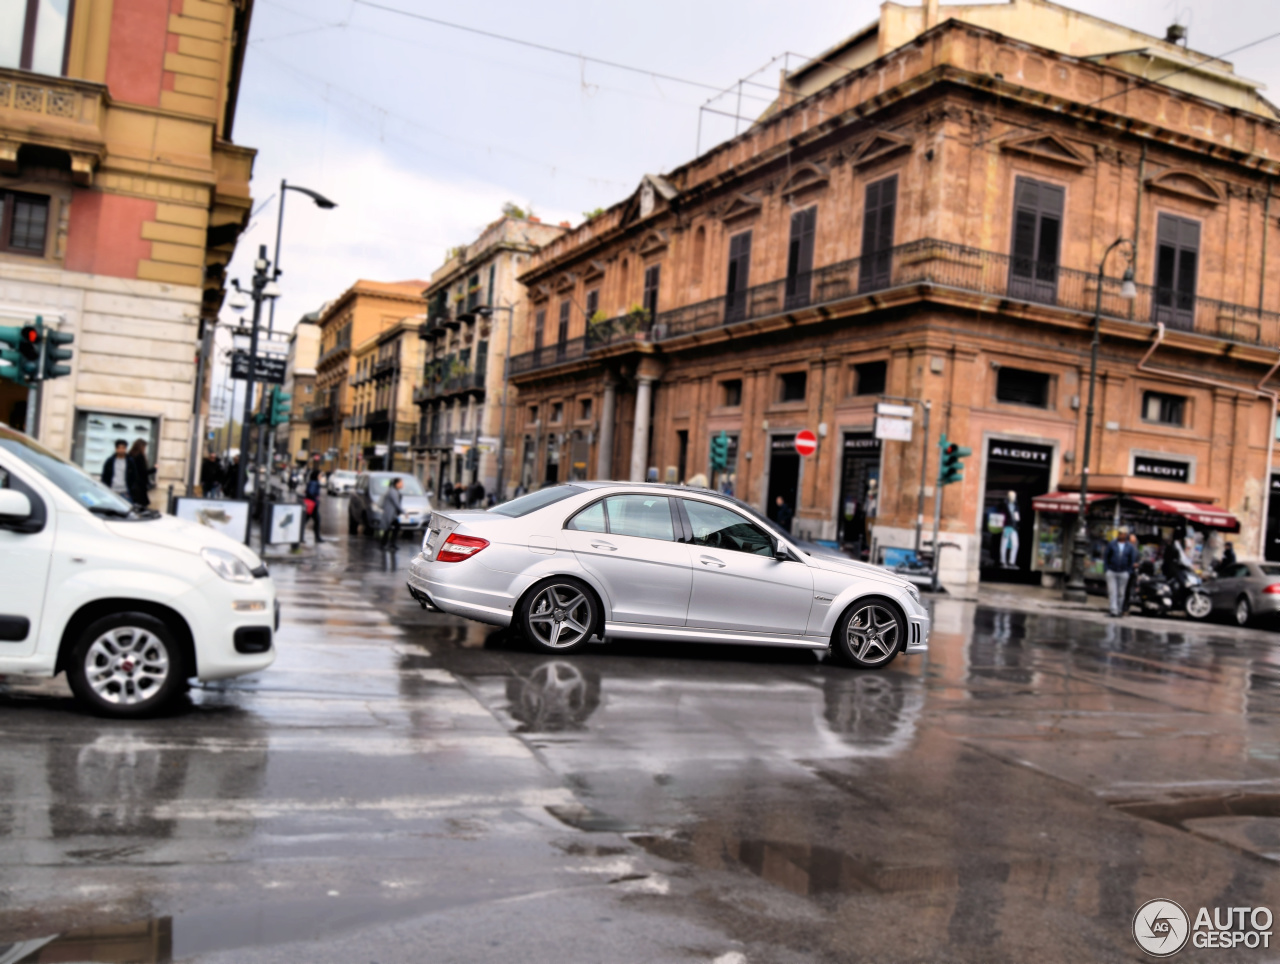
x: 228, y: 516
x: 286, y: 523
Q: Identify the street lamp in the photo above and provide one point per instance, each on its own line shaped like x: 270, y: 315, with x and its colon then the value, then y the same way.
x: 321, y: 202
x: 487, y: 311
x: 1075, y: 591
x: 262, y: 281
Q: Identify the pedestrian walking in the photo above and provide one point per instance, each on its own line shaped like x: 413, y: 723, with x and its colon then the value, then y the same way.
x: 210, y: 476
x: 391, y: 509
x: 117, y: 471
x: 311, y: 502
x: 1118, y: 561
x: 1133, y: 576
x: 140, y: 482
x: 446, y: 492
x: 475, y: 494
x: 782, y: 513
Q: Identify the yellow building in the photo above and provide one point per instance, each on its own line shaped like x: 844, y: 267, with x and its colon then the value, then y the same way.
x: 365, y: 311
x: 123, y: 198
x: 388, y: 368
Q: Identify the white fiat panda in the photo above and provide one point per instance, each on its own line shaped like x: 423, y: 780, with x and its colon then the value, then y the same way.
x: 130, y: 605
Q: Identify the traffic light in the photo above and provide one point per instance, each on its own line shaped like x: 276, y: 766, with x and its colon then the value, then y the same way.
x: 951, y: 465
x: 279, y: 407
x: 720, y: 452
x: 473, y: 459
x: 53, y: 354
x: 20, y: 359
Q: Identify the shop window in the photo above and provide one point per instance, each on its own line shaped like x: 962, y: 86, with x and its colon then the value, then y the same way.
x: 24, y: 222
x: 1021, y: 387
x: 584, y: 410
x: 33, y: 35
x: 1163, y: 408
x: 791, y: 386
x: 731, y: 393
x: 869, y: 378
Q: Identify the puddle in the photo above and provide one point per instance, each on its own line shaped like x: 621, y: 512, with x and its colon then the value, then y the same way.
x: 592, y: 821
x: 164, y: 940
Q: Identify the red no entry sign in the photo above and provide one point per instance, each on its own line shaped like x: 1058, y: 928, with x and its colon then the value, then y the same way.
x: 806, y: 442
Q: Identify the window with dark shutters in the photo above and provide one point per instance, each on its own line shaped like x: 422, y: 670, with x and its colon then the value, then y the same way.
x: 593, y: 303
x: 735, y: 292
x: 1177, y: 260
x: 539, y: 329
x: 879, y: 210
x: 652, y: 276
x: 800, y: 257
x: 562, y: 330
x: 1037, y: 236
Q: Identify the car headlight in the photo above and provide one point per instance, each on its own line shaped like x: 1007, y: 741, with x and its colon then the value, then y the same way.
x: 914, y: 590
x: 227, y: 565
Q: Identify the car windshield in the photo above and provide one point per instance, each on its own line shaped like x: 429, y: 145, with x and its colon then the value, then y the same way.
x: 379, y: 483
x: 70, y: 478
x: 537, y: 500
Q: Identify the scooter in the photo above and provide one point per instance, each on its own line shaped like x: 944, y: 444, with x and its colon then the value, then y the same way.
x: 1159, y: 596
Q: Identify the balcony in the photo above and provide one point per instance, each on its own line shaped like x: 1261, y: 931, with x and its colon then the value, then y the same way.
x: 57, y: 112
x: 377, y: 416
x: 386, y: 364
x: 942, y: 266
x: 332, y: 352
x: 319, y: 413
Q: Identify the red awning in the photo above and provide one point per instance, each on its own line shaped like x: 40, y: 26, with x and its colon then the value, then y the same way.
x: 1064, y: 501
x: 1205, y: 515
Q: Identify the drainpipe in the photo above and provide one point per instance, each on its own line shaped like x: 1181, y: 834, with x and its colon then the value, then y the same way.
x: 1259, y: 392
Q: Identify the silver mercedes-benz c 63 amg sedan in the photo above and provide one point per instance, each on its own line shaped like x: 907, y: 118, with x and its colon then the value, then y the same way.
x: 616, y: 560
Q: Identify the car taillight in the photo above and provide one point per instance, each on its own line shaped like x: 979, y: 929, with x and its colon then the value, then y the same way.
x: 457, y: 548
x: 1273, y: 589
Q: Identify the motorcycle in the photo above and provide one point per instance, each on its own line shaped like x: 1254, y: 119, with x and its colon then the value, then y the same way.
x: 1159, y: 596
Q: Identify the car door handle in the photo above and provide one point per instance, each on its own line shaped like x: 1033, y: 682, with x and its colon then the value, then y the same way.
x: 604, y: 545
x: 711, y: 561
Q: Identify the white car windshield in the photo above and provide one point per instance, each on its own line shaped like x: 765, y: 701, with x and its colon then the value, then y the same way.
x: 70, y: 478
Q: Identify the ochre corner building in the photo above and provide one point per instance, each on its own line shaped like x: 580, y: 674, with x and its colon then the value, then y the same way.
x: 922, y: 213
x: 122, y: 198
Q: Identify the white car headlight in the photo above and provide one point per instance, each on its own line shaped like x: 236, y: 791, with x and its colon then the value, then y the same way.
x: 227, y: 565
x: 914, y: 590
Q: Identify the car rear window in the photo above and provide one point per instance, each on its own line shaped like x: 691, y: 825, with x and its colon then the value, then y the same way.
x: 537, y: 500
x: 1270, y: 570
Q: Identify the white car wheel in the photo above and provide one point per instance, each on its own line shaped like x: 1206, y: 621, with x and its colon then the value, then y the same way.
x: 128, y: 664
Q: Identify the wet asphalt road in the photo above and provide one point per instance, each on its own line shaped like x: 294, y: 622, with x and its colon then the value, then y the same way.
x: 403, y: 786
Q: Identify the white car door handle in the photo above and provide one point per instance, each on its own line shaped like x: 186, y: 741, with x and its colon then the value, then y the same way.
x: 711, y: 561
x: 605, y: 546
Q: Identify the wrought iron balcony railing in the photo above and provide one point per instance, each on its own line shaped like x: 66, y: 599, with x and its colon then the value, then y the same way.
x: 932, y: 262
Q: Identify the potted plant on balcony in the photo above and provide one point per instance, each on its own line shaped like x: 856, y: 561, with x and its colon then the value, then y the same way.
x: 635, y: 322
x: 598, y: 328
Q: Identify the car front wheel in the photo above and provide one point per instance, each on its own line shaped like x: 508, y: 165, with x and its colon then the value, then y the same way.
x: 126, y: 665
x: 1243, y: 611
x: 870, y: 634
x: 558, y: 615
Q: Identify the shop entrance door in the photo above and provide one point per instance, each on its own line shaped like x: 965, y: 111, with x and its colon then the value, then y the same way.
x: 784, y: 475
x: 1016, y: 473
x: 859, y: 482
x: 1273, y: 521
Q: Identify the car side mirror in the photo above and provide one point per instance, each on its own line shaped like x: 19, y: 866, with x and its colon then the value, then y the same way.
x: 782, y: 553
x: 15, y: 507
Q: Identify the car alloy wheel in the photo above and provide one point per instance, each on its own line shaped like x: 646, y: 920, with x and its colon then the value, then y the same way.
x: 128, y: 664
x: 559, y: 616
x: 1199, y: 605
x: 1243, y: 611
x: 869, y: 634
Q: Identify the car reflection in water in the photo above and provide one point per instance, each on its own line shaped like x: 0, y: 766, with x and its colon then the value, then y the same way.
x: 556, y: 696
x: 874, y: 714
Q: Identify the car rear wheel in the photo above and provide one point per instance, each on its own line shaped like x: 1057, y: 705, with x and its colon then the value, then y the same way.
x: 126, y: 665
x: 1243, y: 611
x: 869, y: 634
x: 558, y: 615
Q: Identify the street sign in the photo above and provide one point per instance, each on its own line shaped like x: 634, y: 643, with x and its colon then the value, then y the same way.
x: 270, y: 368
x: 893, y: 429
x: 806, y: 443
x: 217, y: 419
x: 894, y: 411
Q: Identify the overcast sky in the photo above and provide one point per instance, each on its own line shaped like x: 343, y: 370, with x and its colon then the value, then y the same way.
x: 420, y: 132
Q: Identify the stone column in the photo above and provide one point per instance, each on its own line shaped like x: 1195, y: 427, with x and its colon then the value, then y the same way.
x: 640, y: 431
x: 604, y: 450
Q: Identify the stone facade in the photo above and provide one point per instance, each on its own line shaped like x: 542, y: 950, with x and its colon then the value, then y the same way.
x: 294, y: 439
x: 122, y: 154
x: 466, y: 351
x: 388, y: 368
x: 362, y: 313
x: 928, y: 225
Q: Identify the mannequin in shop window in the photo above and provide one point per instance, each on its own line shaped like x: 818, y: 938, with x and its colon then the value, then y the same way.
x: 1009, y: 537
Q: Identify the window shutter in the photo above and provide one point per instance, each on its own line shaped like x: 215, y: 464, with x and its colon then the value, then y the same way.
x: 877, y: 234
x: 739, y: 275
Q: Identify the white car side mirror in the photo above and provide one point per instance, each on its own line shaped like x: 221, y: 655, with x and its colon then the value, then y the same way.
x: 14, y: 505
